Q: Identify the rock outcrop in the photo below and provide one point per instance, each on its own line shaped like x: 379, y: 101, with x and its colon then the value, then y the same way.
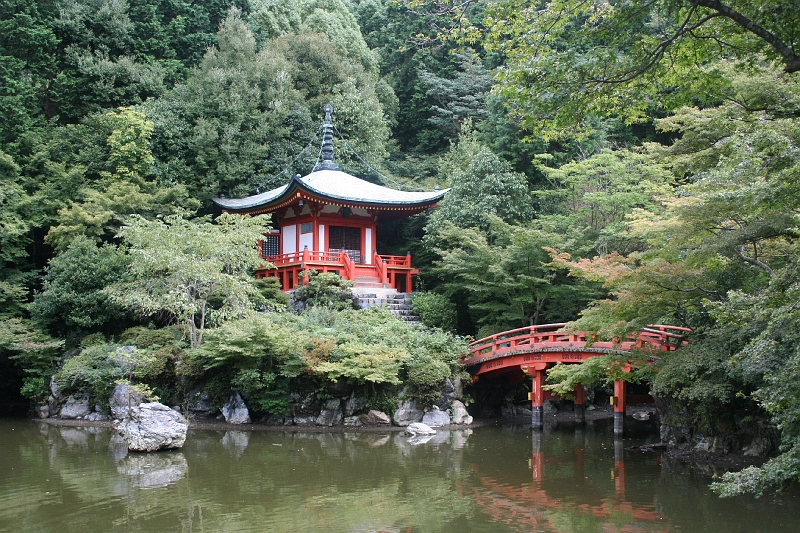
x: 153, y: 426
x: 122, y: 400
x: 460, y: 414
x: 408, y: 413
x: 76, y: 407
x: 235, y: 411
x: 418, y: 428
x: 376, y: 418
x: 331, y: 414
x: 436, y: 418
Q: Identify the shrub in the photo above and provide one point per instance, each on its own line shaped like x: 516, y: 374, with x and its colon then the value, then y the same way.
x: 325, y: 289
x: 434, y: 310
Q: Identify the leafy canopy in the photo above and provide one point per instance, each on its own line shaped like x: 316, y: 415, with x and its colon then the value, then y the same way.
x: 195, y: 271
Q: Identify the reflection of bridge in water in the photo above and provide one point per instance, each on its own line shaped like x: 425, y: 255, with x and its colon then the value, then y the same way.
x: 539, y: 506
x: 532, y: 350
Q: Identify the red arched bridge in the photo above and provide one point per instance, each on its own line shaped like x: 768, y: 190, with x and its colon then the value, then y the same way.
x: 533, y: 349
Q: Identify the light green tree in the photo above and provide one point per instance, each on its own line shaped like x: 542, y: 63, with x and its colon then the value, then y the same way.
x: 195, y: 271
x: 598, y: 193
x: 481, y: 185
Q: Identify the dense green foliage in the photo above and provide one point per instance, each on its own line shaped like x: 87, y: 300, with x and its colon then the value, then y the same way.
x: 618, y: 163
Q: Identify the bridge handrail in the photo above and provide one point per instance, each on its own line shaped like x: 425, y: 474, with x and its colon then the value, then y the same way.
x: 656, y: 335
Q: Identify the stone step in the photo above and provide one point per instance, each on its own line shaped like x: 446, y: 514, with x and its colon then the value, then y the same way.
x: 399, y: 304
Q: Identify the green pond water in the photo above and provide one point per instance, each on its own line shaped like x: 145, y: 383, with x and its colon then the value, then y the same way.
x: 487, y: 479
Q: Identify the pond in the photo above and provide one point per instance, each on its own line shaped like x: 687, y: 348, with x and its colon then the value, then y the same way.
x: 566, y: 478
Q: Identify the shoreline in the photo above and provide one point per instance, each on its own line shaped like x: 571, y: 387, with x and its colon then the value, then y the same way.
x: 729, y: 461
x: 598, y: 413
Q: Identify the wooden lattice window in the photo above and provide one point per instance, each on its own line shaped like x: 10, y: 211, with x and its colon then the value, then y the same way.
x: 270, y: 245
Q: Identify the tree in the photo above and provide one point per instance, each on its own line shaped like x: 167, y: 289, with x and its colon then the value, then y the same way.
x: 598, y: 193
x: 14, y: 239
x: 123, y: 183
x: 481, y: 185
x: 73, y: 292
x: 722, y: 259
x: 194, y: 271
x: 506, y: 277
x: 458, y: 98
x: 566, y: 60
x: 245, y: 120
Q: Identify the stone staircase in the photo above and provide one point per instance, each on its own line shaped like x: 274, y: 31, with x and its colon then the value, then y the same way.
x: 398, y: 303
x: 365, y: 283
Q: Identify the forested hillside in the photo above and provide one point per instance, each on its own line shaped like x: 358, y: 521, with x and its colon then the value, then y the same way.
x: 611, y: 163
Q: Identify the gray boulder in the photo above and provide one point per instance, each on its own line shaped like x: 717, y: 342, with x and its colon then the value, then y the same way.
x: 43, y: 411
x: 458, y: 389
x: 447, y: 395
x: 376, y: 418
x: 418, y: 428
x: 305, y: 420
x: 436, y: 418
x: 352, y: 421
x: 235, y: 411
x: 76, y: 407
x: 153, y: 426
x: 460, y: 414
x: 122, y: 400
x: 331, y: 414
x: 55, y: 390
x: 408, y: 413
x: 96, y: 417
x: 353, y: 405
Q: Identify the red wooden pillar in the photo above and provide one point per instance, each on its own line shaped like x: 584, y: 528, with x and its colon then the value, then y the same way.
x: 619, y: 406
x: 537, y: 397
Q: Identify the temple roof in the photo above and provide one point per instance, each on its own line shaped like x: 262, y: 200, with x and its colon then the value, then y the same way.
x: 327, y: 182
x: 335, y: 186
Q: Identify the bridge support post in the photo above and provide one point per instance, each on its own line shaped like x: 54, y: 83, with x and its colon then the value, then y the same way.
x: 619, y: 407
x: 580, y: 404
x: 537, y: 400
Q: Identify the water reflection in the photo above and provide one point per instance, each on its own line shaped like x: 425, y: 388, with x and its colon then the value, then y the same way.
x: 148, y: 471
x: 235, y: 442
x: 566, y: 493
x: 499, y: 479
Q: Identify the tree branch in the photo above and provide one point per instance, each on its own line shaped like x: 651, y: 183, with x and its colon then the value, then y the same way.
x: 791, y: 60
x: 754, y: 261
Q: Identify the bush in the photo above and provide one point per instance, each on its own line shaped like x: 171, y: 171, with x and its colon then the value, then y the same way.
x: 97, y: 368
x: 434, y: 310
x: 325, y: 289
x: 269, y: 295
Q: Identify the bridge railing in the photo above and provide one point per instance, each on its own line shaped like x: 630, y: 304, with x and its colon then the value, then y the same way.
x: 657, y: 336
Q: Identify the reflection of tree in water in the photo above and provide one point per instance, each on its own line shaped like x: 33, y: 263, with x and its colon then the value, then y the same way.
x: 258, y: 481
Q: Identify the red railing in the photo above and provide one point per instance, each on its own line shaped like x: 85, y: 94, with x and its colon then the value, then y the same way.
x: 349, y: 266
x: 395, y: 260
x: 553, y: 337
x: 306, y: 256
x: 394, y: 271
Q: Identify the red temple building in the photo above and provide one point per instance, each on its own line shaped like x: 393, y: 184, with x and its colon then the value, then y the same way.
x: 327, y: 221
